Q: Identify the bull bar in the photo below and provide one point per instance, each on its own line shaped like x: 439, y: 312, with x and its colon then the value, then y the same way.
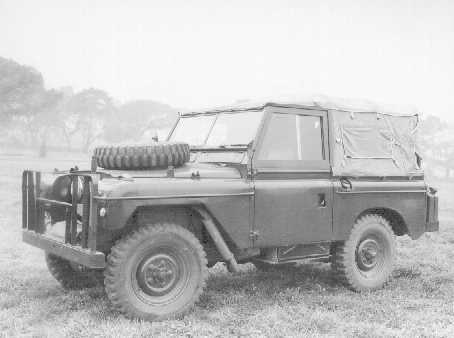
x: 79, y: 248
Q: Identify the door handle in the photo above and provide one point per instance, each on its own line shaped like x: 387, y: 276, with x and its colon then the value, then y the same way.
x: 321, y: 200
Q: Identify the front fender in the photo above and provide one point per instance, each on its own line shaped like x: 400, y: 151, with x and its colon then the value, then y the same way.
x: 228, y: 200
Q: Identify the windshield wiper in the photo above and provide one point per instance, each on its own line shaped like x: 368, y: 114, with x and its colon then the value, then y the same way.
x: 232, y: 145
x: 221, y: 147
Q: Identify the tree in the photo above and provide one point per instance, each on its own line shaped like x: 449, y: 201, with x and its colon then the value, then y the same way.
x: 437, y: 143
x: 25, y: 102
x: 46, y: 117
x: 67, y: 121
x: 20, y: 90
x: 42, y: 121
x: 134, y: 118
x: 86, y: 113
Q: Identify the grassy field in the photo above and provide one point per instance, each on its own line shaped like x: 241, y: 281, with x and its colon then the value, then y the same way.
x: 300, y: 301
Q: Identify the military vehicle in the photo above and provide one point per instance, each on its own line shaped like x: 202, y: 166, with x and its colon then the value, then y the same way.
x: 271, y: 184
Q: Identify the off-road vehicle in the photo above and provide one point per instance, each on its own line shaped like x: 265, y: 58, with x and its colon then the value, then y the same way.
x: 270, y: 184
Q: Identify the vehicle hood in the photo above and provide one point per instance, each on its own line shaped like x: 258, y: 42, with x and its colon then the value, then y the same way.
x: 189, y: 170
x: 188, y: 180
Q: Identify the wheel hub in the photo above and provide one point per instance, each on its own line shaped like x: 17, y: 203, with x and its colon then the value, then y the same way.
x: 368, y: 254
x: 157, y: 274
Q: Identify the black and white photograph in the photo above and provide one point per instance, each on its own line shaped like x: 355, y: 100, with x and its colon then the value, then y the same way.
x: 226, y: 168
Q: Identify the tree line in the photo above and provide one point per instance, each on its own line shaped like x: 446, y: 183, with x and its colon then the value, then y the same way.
x: 33, y: 116
x: 436, y: 139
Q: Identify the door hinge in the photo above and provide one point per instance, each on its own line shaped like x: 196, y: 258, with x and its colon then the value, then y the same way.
x: 252, y: 172
x: 254, y: 235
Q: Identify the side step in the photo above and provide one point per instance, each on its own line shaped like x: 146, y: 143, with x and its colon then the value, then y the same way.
x: 296, y: 254
x: 313, y: 258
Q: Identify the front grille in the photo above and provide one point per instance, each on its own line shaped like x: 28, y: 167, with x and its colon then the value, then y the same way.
x: 35, y: 205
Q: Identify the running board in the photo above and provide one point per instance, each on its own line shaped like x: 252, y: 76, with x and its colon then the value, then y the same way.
x: 313, y: 258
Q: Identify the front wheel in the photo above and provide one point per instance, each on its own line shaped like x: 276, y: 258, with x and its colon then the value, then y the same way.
x: 156, y: 272
x: 365, y: 261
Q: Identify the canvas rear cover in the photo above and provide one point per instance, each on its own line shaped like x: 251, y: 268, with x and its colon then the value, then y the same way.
x: 374, y: 144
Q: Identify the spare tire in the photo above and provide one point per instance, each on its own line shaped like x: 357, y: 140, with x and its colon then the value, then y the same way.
x: 158, y: 155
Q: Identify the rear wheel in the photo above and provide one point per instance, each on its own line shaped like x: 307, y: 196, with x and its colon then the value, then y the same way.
x: 156, y: 272
x: 365, y: 261
x: 73, y: 276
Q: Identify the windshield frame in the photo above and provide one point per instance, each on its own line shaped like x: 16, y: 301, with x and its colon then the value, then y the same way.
x: 233, y: 147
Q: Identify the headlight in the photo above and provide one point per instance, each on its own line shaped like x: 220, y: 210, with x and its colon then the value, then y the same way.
x: 62, y: 189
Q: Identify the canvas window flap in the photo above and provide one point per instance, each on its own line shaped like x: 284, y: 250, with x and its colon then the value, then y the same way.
x: 374, y: 144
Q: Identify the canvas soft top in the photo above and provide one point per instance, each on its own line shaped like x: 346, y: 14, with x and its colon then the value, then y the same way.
x: 374, y: 144
x: 366, y: 138
x: 316, y: 102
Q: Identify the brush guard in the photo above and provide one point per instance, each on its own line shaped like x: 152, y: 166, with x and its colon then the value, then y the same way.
x: 79, y: 249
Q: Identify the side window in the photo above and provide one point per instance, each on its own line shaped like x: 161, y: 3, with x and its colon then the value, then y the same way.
x: 293, y: 138
x: 279, y: 142
x: 310, y: 137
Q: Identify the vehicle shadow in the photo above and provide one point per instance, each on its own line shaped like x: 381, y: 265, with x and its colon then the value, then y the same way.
x: 294, y: 275
x: 251, y: 282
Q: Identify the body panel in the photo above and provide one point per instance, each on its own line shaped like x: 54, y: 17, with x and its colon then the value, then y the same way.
x: 290, y: 211
x: 293, y: 197
x: 228, y: 200
x: 407, y: 198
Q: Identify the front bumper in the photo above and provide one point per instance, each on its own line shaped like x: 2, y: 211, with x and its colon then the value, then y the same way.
x: 74, y: 253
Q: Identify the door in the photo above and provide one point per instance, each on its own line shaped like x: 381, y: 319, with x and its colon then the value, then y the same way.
x: 292, y: 179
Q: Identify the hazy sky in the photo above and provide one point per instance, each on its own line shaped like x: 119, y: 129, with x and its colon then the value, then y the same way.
x: 198, y: 53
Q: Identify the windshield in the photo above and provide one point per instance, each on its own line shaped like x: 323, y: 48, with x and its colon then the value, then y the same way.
x: 193, y: 130
x: 229, y: 129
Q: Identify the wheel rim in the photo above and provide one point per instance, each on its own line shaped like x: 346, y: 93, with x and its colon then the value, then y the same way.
x: 160, y: 276
x: 367, y: 253
x: 371, y: 255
